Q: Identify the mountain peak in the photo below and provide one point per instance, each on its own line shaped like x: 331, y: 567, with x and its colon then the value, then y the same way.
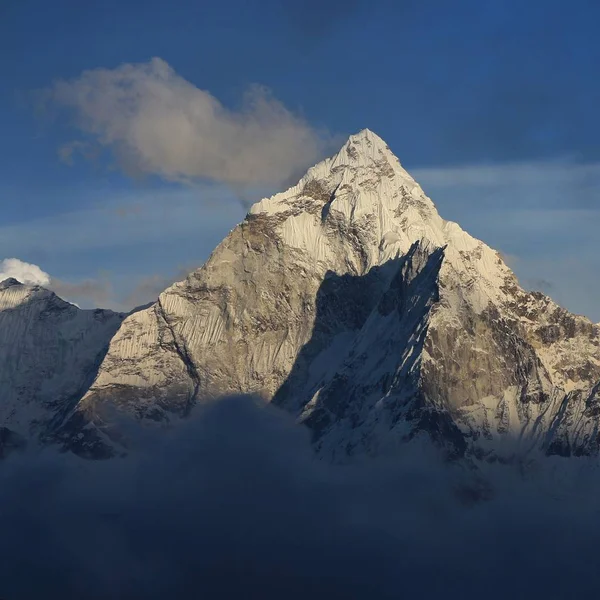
x: 367, y: 136
x: 363, y: 165
x: 364, y: 149
x: 361, y: 204
x: 346, y: 299
x: 14, y: 293
x: 9, y: 282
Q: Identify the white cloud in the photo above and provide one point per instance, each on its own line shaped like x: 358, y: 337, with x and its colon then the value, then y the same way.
x: 549, y: 172
x: 156, y: 122
x: 23, y: 271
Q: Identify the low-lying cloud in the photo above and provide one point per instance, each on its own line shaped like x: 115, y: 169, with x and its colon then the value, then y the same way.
x: 155, y: 122
x: 233, y: 504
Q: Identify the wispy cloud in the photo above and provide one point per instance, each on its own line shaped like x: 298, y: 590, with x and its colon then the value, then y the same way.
x: 156, y: 122
x: 122, y: 219
x: 121, y: 249
x: 87, y: 292
x: 561, y: 172
x: 544, y: 216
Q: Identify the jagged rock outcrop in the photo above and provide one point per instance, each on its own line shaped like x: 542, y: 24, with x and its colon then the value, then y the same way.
x: 348, y: 301
x: 50, y: 351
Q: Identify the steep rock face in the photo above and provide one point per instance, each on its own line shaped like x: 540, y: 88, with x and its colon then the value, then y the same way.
x: 358, y: 388
x: 49, y: 353
x: 350, y: 302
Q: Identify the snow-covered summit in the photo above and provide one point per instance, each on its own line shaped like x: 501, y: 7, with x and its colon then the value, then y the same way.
x: 49, y: 350
x: 364, y: 149
x: 364, y: 159
x: 365, y: 186
x: 13, y: 293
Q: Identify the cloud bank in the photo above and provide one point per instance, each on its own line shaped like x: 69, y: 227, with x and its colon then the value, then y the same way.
x: 233, y: 504
x: 155, y: 122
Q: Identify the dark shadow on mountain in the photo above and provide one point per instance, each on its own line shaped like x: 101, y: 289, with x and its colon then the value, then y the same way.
x: 88, y: 377
x: 343, y: 304
x: 365, y: 346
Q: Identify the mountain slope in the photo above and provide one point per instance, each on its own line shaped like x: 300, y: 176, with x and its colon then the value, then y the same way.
x: 350, y: 302
x: 49, y: 353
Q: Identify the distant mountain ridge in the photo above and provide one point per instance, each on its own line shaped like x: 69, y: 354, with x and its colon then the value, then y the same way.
x: 347, y: 301
x: 50, y: 351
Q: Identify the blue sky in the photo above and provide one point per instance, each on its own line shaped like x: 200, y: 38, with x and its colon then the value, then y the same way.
x: 491, y: 105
